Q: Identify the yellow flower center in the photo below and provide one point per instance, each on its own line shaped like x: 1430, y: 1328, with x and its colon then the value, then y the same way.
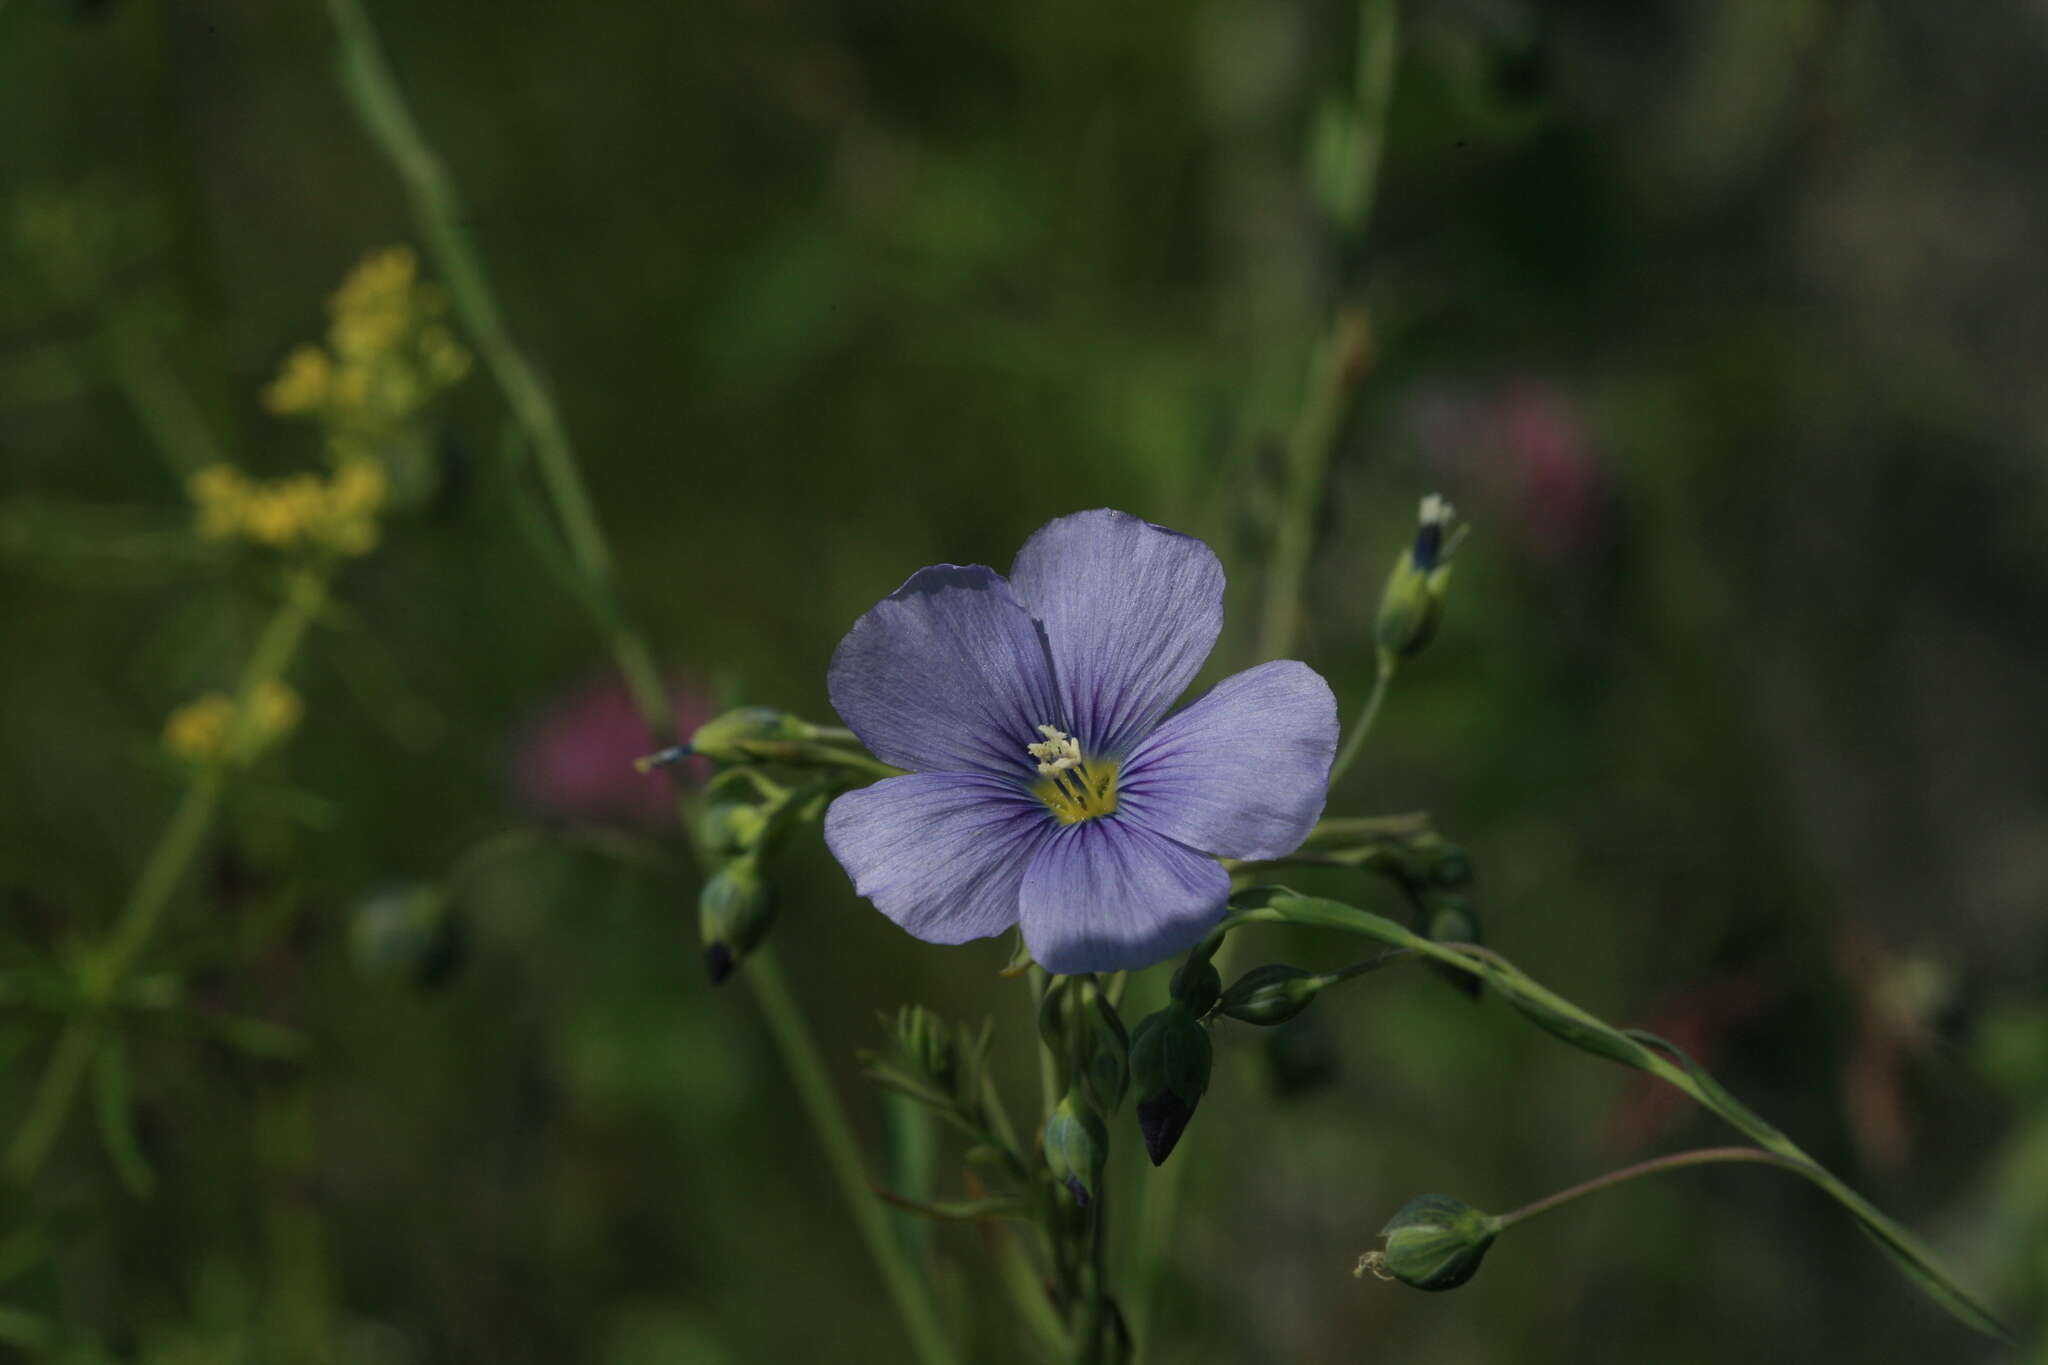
x: 1075, y: 788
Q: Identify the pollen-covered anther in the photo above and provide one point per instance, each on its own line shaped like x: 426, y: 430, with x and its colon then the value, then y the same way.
x: 1059, y: 752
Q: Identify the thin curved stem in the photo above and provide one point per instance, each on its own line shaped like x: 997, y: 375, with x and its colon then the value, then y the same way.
x: 1362, y: 727
x: 1677, y: 1161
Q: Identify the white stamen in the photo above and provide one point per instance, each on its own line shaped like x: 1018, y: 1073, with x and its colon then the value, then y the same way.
x: 1058, y: 753
x: 1435, y: 511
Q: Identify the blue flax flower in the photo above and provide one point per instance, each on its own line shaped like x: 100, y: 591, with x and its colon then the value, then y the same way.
x: 1047, y: 786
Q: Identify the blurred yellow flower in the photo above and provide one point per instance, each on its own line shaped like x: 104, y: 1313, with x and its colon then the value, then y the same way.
x: 204, y: 730
x: 337, y: 513
x: 221, y: 495
x: 386, y: 358
x: 198, y: 731
x: 303, y: 384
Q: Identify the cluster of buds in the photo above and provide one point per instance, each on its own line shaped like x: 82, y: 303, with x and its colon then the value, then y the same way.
x: 217, y: 728
x: 336, y: 514
x: 737, y: 904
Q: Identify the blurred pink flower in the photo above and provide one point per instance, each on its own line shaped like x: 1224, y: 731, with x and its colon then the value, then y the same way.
x: 577, y: 760
x: 1523, y: 447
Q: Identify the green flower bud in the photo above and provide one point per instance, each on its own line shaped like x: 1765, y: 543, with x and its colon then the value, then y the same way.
x: 1412, y: 600
x: 410, y: 935
x: 1196, y: 986
x: 727, y: 828
x: 1170, y: 1056
x: 1076, y: 1148
x: 728, y: 738
x: 1272, y: 994
x: 733, y: 914
x: 1434, y: 1242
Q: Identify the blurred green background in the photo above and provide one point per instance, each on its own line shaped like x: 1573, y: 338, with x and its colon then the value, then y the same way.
x: 1722, y: 322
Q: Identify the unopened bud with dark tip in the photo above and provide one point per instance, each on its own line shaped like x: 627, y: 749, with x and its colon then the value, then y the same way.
x: 1412, y: 600
x: 1170, y: 1059
x: 729, y: 738
x: 1434, y: 1243
x: 1272, y: 994
x: 1076, y: 1148
x: 1196, y: 985
x: 734, y: 911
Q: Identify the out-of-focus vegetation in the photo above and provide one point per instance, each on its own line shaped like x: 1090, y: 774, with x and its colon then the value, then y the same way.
x: 1721, y: 323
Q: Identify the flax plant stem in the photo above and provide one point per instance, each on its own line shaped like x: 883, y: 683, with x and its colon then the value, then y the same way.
x: 1362, y: 727
x: 373, y: 88
x: 1676, y: 1161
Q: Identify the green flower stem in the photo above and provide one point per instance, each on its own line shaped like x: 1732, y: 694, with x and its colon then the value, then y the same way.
x: 1643, y: 1051
x: 106, y: 968
x: 1677, y: 1161
x: 367, y: 78
x: 1360, y: 728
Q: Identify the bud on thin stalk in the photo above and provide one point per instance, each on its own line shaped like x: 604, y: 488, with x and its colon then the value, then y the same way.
x: 1434, y: 1243
x: 1272, y: 994
x: 1412, y: 600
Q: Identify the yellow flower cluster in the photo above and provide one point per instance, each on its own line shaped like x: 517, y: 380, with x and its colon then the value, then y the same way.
x: 202, y: 731
x: 387, y: 354
x: 337, y: 513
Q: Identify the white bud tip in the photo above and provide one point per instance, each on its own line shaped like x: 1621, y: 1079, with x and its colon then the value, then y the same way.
x: 1435, y: 511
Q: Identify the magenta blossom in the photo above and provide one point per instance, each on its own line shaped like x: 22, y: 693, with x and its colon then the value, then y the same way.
x: 1048, y: 787
x: 578, y: 760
